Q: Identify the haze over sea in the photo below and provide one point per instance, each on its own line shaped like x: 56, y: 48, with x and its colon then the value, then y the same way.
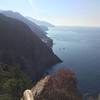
x: 79, y: 49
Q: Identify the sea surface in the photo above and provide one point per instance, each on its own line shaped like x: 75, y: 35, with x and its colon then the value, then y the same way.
x: 79, y: 49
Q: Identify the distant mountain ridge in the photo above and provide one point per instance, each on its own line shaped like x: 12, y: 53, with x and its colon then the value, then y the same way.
x: 35, y: 28
x: 40, y: 23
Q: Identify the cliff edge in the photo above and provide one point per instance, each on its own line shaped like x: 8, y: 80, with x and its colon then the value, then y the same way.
x: 60, y: 86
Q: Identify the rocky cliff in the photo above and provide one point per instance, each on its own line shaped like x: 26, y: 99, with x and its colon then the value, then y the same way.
x: 19, y: 44
x: 60, y: 86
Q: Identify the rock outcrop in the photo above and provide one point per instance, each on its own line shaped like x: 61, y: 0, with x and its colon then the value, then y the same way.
x: 19, y: 44
x: 60, y: 86
x: 27, y: 95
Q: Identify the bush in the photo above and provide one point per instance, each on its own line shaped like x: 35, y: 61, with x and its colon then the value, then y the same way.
x: 13, y: 82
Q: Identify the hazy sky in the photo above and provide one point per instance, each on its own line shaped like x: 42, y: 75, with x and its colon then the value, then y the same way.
x: 58, y: 12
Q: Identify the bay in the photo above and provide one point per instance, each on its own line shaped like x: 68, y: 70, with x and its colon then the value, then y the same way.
x: 79, y: 49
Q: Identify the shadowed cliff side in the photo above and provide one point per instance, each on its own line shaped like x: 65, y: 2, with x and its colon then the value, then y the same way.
x: 18, y: 44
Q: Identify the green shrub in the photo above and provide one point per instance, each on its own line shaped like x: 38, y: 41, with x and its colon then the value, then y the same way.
x: 13, y: 82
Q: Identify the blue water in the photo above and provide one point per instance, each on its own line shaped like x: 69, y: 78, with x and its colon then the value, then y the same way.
x: 79, y: 49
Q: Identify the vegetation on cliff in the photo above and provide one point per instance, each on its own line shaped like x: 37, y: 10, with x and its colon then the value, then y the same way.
x: 60, y: 86
x: 12, y: 82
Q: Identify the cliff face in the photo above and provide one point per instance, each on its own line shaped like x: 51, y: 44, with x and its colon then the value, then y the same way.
x: 34, y: 27
x: 61, y: 86
x: 18, y: 44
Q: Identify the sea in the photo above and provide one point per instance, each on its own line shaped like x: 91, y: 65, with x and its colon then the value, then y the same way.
x: 79, y: 49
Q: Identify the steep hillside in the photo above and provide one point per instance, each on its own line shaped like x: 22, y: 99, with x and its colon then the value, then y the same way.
x: 60, y: 86
x: 35, y: 28
x: 18, y: 44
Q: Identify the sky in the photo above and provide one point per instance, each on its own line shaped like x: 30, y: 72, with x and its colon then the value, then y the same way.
x: 58, y: 12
